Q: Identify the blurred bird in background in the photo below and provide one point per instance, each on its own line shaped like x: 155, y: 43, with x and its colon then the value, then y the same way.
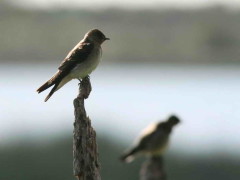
x: 79, y: 63
x: 153, y: 140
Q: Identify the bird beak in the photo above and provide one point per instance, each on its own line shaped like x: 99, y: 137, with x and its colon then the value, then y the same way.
x: 107, y: 39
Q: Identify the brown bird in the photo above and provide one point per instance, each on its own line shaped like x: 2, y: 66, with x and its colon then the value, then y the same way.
x: 153, y: 141
x: 79, y: 63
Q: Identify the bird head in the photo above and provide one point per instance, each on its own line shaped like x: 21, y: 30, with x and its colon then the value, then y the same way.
x: 96, y: 36
x: 173, y: 120
x: 169, y: 123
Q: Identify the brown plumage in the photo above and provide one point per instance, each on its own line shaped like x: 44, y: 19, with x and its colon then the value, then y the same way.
x: 153, y: 140
x: 77, y: 56
x: 80, y: 62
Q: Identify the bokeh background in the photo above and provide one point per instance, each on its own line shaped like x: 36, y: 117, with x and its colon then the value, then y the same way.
x: 164, y: 57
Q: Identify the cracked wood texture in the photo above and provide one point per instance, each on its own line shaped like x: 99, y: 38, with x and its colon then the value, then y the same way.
x: 153, y: 169
x: 85, y: 153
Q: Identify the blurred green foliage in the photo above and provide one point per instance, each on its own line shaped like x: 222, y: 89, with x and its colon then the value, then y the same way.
x: 53, y: 160
x: 210, y: 35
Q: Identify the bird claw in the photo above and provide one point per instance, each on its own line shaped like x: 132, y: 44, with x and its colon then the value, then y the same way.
x: 85, y: 87
x: 87, y: 77
x: 79, y: 81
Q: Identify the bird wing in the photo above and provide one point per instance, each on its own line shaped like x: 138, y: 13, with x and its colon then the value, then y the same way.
x: 78, y: 55
x: 153, y: 140
x: 145, y: 141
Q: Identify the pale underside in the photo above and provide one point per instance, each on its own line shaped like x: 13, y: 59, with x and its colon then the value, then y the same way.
x: 83, y: 69
x: 158, y: 151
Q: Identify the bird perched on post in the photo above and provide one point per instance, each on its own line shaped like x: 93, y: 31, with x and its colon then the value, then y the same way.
x: 153, y: 140
x: 79, y: 63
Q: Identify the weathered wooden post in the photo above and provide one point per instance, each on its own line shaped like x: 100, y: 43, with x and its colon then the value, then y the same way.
x: 85, y: 152
x: 153, y: 169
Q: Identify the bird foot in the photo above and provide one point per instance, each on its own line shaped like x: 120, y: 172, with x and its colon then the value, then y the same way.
x: 85, y: 87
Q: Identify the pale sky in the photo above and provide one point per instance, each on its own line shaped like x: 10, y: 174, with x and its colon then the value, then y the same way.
x: 125, y: 3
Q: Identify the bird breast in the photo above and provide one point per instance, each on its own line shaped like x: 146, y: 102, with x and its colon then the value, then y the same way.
x: 85, y: 68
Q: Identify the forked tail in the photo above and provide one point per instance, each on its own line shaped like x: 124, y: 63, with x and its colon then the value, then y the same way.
x: 44, y: 86
x: 129, y: 156
x: 51, y: 92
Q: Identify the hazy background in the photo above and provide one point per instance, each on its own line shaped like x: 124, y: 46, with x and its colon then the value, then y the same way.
x: 164, y: 57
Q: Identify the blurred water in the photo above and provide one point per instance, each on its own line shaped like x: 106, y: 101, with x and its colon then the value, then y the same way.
x: 125, y: 99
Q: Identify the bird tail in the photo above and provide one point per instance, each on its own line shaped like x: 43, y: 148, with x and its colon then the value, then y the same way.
x: 129, y: 156
x: 54, y: 79
x: 57, y: 86
x: 53, y: 90
x: 45, y: 86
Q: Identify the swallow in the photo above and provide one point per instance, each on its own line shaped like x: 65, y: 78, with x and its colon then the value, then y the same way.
x: 79, y: 63
x: 153, y: 141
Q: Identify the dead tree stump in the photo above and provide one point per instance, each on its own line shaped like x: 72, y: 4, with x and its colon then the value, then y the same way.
x: 85, y: 153
x: 153, y: 169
